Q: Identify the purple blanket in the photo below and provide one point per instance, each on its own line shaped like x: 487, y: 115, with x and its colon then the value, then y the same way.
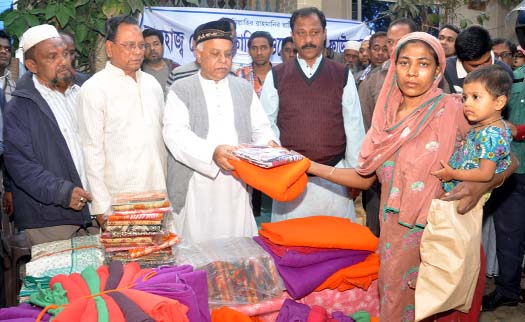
x: 183, y: 284
x: 303, y: 273
x: 23, y: 312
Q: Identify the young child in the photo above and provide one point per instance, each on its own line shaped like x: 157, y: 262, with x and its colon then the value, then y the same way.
x: 486, y: 149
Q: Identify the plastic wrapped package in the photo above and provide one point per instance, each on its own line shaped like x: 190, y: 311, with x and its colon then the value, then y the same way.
x: 238, y: 270
x: 65, y: 256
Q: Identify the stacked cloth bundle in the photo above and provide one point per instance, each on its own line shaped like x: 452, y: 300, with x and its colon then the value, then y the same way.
x: 136, y: 229
x: 60, y: 257
x: 127, y: 293
x: 321, y: 252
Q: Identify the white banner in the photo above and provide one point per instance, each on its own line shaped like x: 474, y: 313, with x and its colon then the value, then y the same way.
x: 178, y: 25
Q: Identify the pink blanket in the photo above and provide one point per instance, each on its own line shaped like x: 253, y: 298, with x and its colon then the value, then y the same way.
x: 348, y: 302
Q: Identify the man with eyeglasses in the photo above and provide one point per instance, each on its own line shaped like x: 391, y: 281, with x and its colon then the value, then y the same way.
x: 503, y: 50
x: 7, y: 83
x: 43, y: 150
x: 313, y: 106
x: 154, y: 62
x: 120, y: 120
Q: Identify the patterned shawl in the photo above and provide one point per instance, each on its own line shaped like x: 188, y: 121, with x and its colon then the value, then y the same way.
x: 404, y: 152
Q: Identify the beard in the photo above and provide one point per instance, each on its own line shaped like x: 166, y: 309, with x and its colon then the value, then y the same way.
x: 63, y: 80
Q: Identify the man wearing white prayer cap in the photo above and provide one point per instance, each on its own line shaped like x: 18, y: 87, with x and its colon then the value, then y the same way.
x: 351, y: 55
x: 43, y: 154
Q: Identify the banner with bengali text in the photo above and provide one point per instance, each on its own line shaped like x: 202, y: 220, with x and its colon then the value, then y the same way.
x: 177, y: 25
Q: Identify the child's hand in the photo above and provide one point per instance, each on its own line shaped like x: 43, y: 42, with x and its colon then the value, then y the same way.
x: 445, y: 174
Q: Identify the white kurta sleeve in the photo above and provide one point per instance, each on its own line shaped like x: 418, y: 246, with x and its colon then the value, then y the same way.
x: 353, y: 122
x: 270, y: 102
x: 90, y: 110
x: 182, y: 142
x: 262, y: 132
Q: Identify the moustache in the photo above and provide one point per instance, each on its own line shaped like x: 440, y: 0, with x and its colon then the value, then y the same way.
x: 310, y: 45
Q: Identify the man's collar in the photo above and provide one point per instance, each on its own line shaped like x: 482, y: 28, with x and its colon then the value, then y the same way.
x: 303, y: 63
x: 42, y: 86
x: 462, y: 73
x: 118, y: 71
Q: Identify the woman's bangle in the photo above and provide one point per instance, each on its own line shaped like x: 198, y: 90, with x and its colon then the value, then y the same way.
x: 331, y: 172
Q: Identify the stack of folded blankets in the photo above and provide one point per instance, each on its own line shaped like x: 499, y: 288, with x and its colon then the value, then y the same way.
x: 136, y: 229
x: 328, y: 259
x: 120, y: 293
x: 60, y: 257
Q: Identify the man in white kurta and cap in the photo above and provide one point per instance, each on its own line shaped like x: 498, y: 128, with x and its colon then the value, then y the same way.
x: 120, y: 120
x: 207, y: 116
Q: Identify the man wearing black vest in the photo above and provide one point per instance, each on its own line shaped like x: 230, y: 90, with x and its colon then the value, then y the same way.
x: 313, y: 106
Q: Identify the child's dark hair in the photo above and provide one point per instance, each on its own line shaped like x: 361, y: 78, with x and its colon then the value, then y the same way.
x: 495, y: 78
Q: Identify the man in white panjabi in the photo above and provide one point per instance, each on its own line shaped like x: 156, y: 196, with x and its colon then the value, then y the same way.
x: 207, y: 116
x: 120, y: 120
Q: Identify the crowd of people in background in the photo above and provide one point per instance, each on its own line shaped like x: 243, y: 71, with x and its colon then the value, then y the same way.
x: 71, y: 141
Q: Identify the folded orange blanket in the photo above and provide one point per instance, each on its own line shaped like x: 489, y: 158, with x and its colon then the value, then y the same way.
x: 359, y: 275
x: 282, y: 183
x: 320, y: 231
x: 226, y: 314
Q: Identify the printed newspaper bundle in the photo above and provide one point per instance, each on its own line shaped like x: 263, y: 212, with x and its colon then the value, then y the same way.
x: 267, y: 157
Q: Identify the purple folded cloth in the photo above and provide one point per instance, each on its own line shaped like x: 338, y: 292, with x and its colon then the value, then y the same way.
x: 296, y: 259
x: 183, y: 284
x: 301, y: 281
x: 22, y: 312
x: 341, y: 317
x: 293, y: 312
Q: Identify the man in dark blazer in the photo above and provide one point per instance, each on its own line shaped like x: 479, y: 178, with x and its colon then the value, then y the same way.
x: 43, y: 154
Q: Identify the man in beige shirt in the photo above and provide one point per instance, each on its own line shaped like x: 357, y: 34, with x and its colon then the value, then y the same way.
x: 120, y: 120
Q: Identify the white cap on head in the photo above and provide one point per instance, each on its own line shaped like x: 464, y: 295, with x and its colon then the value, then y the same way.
x: 36, y: 34
x: 353, y: 45
x: 367, y: 38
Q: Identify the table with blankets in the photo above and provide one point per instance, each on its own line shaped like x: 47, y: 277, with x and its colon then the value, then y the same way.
x: 308, y: 269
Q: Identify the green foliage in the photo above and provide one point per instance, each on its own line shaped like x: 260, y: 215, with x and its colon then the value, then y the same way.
x: 85, y: 19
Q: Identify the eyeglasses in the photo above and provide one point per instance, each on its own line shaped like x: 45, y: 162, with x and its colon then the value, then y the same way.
x: 131, y: 46
x: 503, y: 55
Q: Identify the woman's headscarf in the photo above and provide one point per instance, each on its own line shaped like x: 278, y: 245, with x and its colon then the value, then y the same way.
x: 431, y: 131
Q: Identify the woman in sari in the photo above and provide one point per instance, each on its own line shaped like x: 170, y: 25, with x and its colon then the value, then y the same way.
x: 415, y: 125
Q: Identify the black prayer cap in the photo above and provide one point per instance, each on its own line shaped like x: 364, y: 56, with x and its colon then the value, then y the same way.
x: 213, y: 30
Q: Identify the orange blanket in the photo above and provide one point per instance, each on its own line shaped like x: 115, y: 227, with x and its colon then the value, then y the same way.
x: 360, y: 275
x: 282, y: 183
x: 320, y: 231
x: 226, y: 314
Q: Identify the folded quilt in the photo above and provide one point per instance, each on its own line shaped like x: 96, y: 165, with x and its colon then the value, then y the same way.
x: 320, y: 231
x: 283, y: 183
